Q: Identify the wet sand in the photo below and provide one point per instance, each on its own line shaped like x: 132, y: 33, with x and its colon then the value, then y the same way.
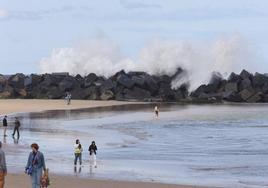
x: 13, y: 180
x: 57, y: 181
x: 10, y: 106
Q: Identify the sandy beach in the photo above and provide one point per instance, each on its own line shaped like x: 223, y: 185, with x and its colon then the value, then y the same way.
x: 10, y: 106
x: 13, y: 180
x: 19, y: 105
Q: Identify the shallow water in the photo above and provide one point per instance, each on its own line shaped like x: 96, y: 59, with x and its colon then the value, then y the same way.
x: 216, y: 145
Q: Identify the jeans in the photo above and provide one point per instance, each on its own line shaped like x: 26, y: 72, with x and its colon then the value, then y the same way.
x: 36, y: 177
x: 16, y: 129
x: 76, y: 157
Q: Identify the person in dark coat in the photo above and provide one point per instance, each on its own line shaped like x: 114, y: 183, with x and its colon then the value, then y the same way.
x: 92, y: 154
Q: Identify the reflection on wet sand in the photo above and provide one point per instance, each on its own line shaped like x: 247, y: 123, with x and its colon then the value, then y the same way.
x: 134, y: 145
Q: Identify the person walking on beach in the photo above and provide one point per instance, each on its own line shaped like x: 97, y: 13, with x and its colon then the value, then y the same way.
x: 16, y: 128
x: 35, y: 165
x: 68, y: 98
x: 3, y: 167
x: 5, y: 125
x: 77, y: 152
x: 156, y: 111
x: 92, y: 154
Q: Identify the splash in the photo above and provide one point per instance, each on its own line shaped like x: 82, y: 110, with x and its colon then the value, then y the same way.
x: 103, y: 57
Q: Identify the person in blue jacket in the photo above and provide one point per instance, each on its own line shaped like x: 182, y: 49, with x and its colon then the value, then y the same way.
x: 35, y: 165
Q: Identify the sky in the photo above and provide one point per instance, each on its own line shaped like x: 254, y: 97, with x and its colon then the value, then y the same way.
x: 31, y: 29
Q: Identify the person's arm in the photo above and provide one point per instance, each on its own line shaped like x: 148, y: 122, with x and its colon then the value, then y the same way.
x: 28, y: 163
x: 43, y: 161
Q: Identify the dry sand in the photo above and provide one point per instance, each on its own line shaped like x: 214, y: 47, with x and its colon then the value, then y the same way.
x: 23, y: 181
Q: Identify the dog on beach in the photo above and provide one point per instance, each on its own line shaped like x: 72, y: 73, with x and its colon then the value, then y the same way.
x: 45, y: 179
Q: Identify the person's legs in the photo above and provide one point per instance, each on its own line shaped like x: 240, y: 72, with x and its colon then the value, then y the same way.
x: 14, y: 131
x: 33, y: 178
x: 38, y: 177
x: 80, y: 158
x: 5, y: 131
x: 18, y: 132
x: 2, y: 180
x: 75, y: 158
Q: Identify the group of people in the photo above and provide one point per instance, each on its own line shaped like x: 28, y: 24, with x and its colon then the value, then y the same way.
x: 78, y: 149
x: 16, y: 127
x: 35, y: 166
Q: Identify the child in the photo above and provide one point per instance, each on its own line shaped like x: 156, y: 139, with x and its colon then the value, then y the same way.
x: 45, y: 179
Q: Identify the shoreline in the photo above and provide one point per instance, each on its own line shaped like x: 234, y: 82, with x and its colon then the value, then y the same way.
x: 16, y: 106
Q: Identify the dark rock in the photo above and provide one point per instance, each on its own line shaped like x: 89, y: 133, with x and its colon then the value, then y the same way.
x: 165, y: 92
x: 50, y: 80
x: 234, y: 78
x: 3, y: 80
x: 265, y: 98
x: 136, y: 93
x: 90, y: 79
x: 92, y: 93
x: 125, y: 81
x: 27, y: 81
x: 107, y: 95
x: 68, y: 84
x: 247, y: 93
x: 231, y: 86
x: 55, y: 93
x: 231, y: 96
x: 259, y: 80
x: 36, y: 79
x: 255, y: 98
x: 17, y: 81
x: 198, y: 91
x: 107, y: 85
x: 265, y: 88
x: 244, y: 84
x: 165, y: 79
x: 139, y: 81
x: 245, y: 75
x: 151, y: 84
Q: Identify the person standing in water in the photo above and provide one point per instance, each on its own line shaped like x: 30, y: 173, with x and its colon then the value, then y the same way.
x: 16, y: 128
x: 5, y: 125
x: 3, y: 167
x: 156, y: 111
x: 35, y: 165
x: 78, y: 152
x: 92, y: 154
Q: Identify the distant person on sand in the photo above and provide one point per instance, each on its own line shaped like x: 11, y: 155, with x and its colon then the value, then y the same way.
x: 68, y: 98
x: 16, y: 128
x: 92, y: 154
x: 3, y: 167
x: 78, y: 152
x: 35, y: 166
x: 156, y: 111
x: 5, y: 125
